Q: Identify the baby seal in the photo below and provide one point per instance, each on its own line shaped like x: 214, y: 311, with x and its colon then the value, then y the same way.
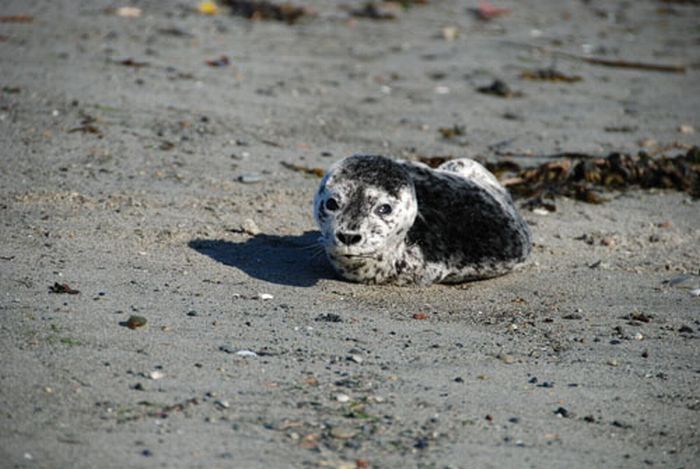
x: 401, y: 222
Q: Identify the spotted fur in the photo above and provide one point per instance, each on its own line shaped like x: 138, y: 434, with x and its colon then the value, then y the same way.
x: 449, y: 225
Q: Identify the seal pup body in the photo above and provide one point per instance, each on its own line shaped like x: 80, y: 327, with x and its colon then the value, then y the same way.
x: 386, y: 221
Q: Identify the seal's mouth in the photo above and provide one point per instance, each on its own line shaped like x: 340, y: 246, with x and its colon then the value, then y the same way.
x: 357, y: 256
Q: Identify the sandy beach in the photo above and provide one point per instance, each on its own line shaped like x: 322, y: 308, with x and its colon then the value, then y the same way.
x: 164, y: 299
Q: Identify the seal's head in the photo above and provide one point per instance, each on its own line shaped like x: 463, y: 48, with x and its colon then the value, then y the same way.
x: 364, y: 207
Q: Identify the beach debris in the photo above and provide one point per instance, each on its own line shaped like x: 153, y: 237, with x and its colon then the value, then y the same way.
x: 639, y: 317
x: 678, y: 279
x: 318, y: 172
x: 87, y: 126
x: 129, y: 62
x: 686, y: 129
x: 16, y: 19
x: 222, y: 61
x: 562, y: 412
x: 583, y: 176
x: 499, y: 88
x: 450, y: 33
x: 486, y: 11
x: 377, y: 11
x: 620, y: 128
x: 208, y: 8
x: 265, y: 296
x: 134, y: 322
x: 695, y: 292
x: 63, y: 288
x: 549, y: 74
x: 452, y: 132
x: 257, y: 10
x: 421, y: 316
x: 156, y: 374
x: 240, y: 352
x: 328, y: 317
x: 342, y: 398
x: 128, y: 12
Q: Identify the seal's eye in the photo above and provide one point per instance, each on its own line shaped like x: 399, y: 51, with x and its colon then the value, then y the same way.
x: 384, y: 209
x: 332, y: 205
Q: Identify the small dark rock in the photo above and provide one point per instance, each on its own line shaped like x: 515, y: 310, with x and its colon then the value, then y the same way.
x: 514, y: 420
x: 562, y: 412
x: 573, y: 317
x: 192, y: 313
x: 459, y: 379
x: 63, y: 288
x: 685, y: 329
x: 618, y: 424
x: 134, y: 322
x: 329, y: 317
x: 421, y: 443
x: 499, y: 88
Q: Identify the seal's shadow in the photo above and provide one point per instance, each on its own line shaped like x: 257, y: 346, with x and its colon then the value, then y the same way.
x: 287, y: 260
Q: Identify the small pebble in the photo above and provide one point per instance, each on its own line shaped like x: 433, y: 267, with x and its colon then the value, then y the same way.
x: 222, y: 404
x: 342, y: 398
x: 246, y: 353
x: 135, y: 322
x: 450, y: 33
x: 505, y: 358
x: 250, y: 227
x: 686, y: 129
x: 192, y: 313
x: 356, y: 358
x: 695, y: 292
x: 265, y: 296
x: 613, y: 362
x: 250, y: 178
x: 343, y: 433
x: 638, y: 336
x: 156, y: 374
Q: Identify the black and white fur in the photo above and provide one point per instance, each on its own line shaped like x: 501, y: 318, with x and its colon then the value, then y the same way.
x: 387, y: 221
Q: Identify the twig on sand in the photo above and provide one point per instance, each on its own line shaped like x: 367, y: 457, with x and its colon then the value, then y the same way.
x: 619, y: 63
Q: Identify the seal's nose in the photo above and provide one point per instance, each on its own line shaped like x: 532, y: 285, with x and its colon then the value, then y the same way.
x: 349, y: 238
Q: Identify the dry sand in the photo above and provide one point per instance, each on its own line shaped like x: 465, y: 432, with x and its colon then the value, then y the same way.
x: 122, y: 179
